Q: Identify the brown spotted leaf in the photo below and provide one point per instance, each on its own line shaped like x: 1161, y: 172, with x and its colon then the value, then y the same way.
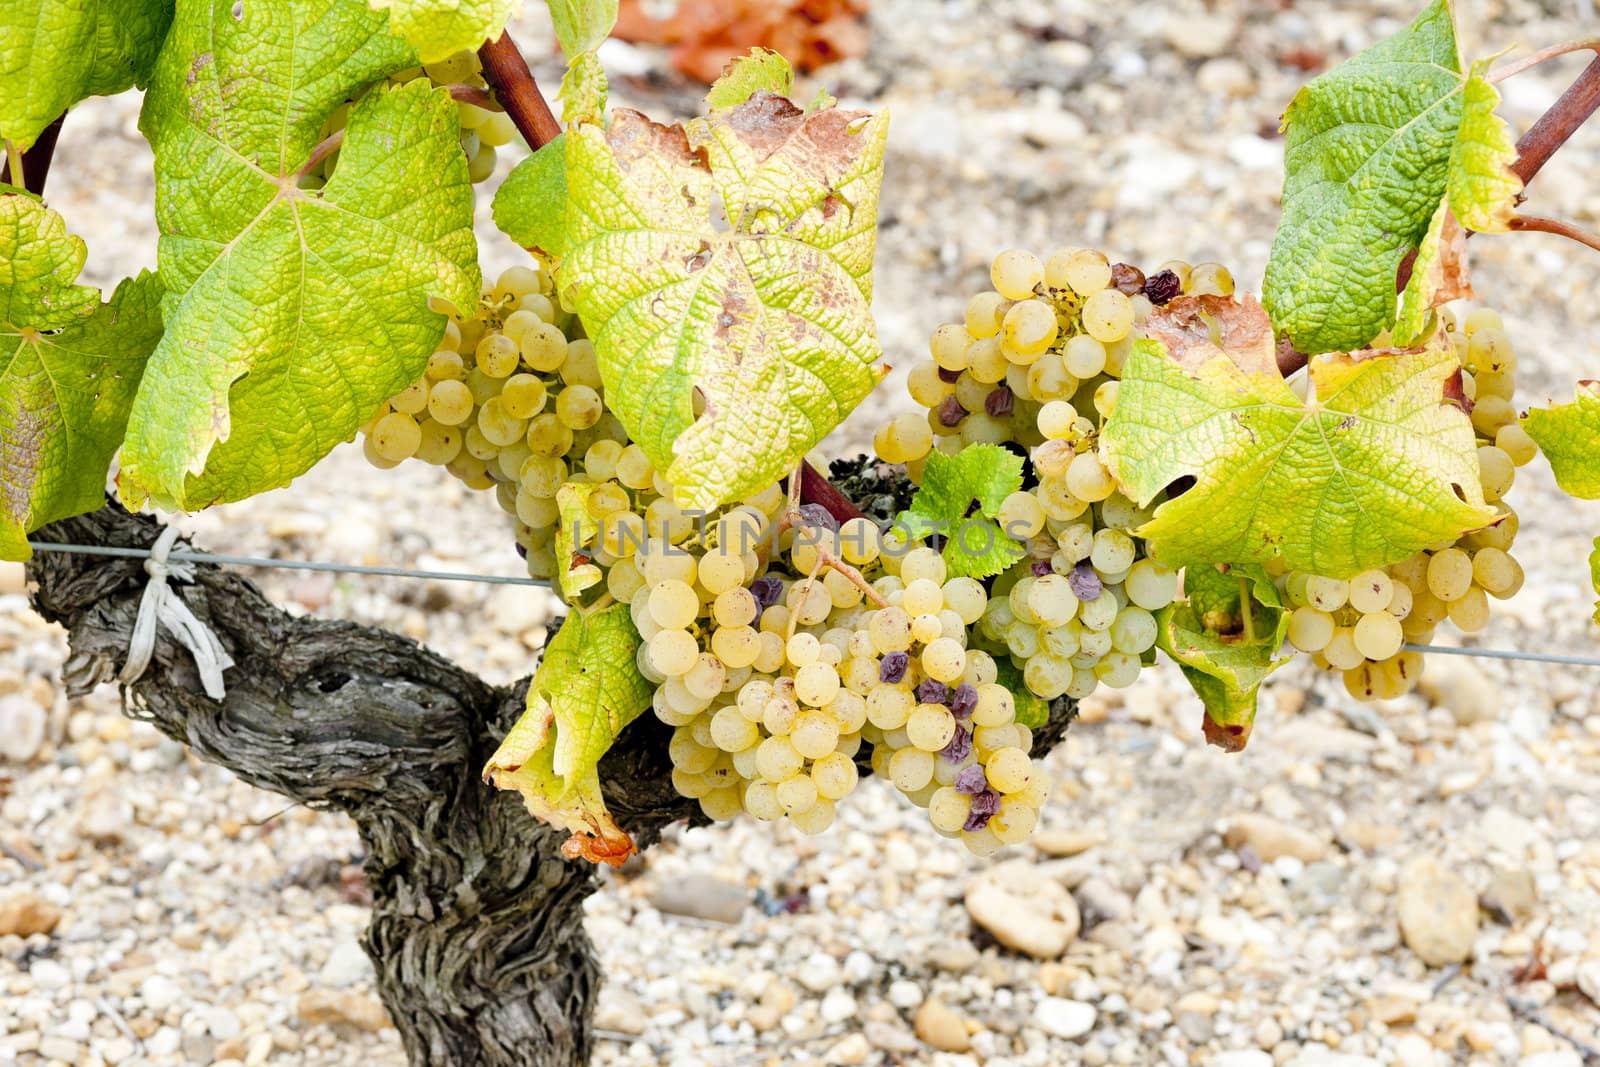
x: 723, y: 270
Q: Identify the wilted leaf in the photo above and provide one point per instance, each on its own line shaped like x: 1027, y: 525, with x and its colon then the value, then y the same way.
x: 585, y: 691
x: 723, y: 271
x: 761, y: 70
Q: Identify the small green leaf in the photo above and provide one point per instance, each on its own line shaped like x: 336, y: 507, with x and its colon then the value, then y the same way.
x: 1226, y: 638
x: 577, y: 530
x: 1033, y: 711
x: 1481, y: 189
x: 530, y: 206
x: 762, y: 70
x: 582, y: 24
x: 584, y: 90
x: 1379, y: 465
x: 723, y: 271
x: 69, y: 367
x: 54, y: 53
x: 959, y: 497
x: 1569, y: 437
x: 587, y: 688
x: 291, y: 313
x: 440, y: 28
x: 1372, y: 147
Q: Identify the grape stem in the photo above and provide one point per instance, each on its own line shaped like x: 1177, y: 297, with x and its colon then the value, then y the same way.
x: 826, y: 558
x: 1581, y: 44
x: 321, y: 151
x: 507, y: 73
x: 15, y: 173
x: 1556, y: 226
x: 1245, y: 614
x: 477, y: 97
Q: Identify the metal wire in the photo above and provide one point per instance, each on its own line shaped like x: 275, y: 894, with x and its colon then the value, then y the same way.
x: 495, y: 579
x: 287, y: 564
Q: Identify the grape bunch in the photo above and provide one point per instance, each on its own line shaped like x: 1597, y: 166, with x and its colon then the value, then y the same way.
x: 1360, y: 627
x: 482, y: 129
x: 1034, y: 366
x: 512, y: 401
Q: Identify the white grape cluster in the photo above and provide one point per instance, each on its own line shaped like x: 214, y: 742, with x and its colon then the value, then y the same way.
x: 512, y: 400
x: 776, y: 663
x: 1035, y: 365
x: 483, y: 130
x: 1360, y: 627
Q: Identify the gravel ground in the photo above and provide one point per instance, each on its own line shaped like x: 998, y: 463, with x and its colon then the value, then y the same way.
x: 1276, y: 907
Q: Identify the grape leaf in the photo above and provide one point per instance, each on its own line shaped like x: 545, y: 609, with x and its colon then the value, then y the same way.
x: 54, y: 53
x: 439, y: 28
x: 761, y: 69
x: 1226, y: 646
x: 1438, y: 276
x: 1569, y: 437
x: 577, y: 528
x: 584, y: 89
x: 958, y: 498
x: 1594, y: 576
x: 1380, y: 464
x: 585, y: 691
x: 69, y: 367
x: 582, y: 24
x: 291, y: 313
x: 723, y: 271
x: 1033, y: 711
x: 530, y: 207
x: 1372, y: 147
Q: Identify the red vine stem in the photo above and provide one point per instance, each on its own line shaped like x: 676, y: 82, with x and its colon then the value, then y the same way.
x: 1556, y: 226
x: 507, y: 72
x: 816, y: 489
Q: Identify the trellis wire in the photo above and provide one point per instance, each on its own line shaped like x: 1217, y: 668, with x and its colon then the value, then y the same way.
x: 496, y: 579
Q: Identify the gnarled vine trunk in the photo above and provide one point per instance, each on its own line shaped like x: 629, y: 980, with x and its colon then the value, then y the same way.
x: 477, y: 921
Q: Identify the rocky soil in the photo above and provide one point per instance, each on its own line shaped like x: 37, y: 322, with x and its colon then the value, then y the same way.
x: 1416, y: 884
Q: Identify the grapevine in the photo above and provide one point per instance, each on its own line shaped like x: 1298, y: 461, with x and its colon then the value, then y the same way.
x: 1111, y: 463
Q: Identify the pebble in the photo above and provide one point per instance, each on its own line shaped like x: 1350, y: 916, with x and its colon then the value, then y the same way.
x: 701, y: 896
x: 1588, y: 979
x: 27, y: 913
x: 853, y: 1050
x: 1025, y: 910
x: 1438, y: 912
x: 1241, y: 1057
x: 1515, y: 890
x: 1198, y: 36
x: 838, y: 1006
x: 13, y: 578
x: 1066, y: 1019
x: 1273, y: 840
x: 346, y: 965
x: 22, y: 723
x: 340, y: 1007
x: 1459, y: 686
x: 941, y: 1027
x: 1322, y: 1058
x: 1066, y: 842
x: 904, y: 993
x: 160, y: 992
x: 819, y: 972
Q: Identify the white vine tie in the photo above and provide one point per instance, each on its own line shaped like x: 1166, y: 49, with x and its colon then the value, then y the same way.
x: 161, y: 605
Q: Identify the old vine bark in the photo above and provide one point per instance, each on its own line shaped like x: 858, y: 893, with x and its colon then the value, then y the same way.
x: 477, y: 924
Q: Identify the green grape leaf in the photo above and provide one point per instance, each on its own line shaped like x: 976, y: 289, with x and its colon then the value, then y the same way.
x: 584, y: 90
x: 1226, y: 637
x: 1380, y: 464
x: 1033, y: 711
x: 439, y: 28
x: 723, y: 271
x: 1594, y: 576
x: 1371, y: 149
x: 1569, y: 437
x: 587, y: 688
x: 54, y: 53
x: 39, y: 266
x: 761, y: 70
x: 577, y: 529
x: 69, y: 367
x: 582, y: 24
x: 530, y: 207
x: 291, y: 313
x: 959, y: 498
